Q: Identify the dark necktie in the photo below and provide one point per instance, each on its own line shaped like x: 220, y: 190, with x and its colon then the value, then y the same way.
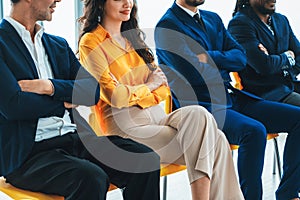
x: 199, y: 21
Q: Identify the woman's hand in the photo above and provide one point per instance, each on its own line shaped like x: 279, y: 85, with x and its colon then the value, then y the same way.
x: 114, y: 79
x: 156, y: 79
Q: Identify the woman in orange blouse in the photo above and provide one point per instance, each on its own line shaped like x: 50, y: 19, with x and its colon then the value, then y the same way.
x: 112, y: 48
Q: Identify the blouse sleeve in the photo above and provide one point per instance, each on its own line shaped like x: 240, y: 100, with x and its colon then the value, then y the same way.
x: 112, y: 92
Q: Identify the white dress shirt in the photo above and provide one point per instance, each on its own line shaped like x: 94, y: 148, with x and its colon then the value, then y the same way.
x: 48, y: 127
x: 191, y: 13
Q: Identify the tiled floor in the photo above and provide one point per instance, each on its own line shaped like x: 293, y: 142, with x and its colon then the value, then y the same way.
x: 178, y: 186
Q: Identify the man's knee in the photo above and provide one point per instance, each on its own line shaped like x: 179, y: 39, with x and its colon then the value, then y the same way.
x: 140, y: 158
x: 90, y: 175
x: 254, y: 133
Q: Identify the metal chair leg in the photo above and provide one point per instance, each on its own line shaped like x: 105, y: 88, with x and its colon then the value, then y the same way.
x: 277, y: 157
x: 274, y: 162
x: 165, y: 182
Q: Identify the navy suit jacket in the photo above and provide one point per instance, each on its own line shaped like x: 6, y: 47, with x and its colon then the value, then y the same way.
x: 179, y: 39
x: 20, y: 111
x: 263, y: 75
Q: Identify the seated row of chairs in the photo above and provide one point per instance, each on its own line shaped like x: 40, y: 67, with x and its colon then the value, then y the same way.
x: 166, y: 169
x: 19, y: 194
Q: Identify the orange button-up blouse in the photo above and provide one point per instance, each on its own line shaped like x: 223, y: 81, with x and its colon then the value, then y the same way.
x: 122, y: 73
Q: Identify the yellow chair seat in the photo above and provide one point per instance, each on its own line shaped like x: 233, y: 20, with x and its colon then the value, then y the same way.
x: 234, y: 146
x: 19, y: 194
x: 269, y: 137
x: 167, y: 169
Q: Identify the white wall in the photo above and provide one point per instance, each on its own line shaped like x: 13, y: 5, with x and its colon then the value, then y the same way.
x: 63, y: 22
x: 150, y: 11
x: 290, y: 9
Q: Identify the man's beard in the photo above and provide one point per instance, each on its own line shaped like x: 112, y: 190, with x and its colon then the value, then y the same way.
x: 264, y: 10
x: 194, y: 3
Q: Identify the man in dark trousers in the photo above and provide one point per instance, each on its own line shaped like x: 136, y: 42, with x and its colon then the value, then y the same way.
x: 197, y: 54
x: 45, y: 145
x: 273, y: 51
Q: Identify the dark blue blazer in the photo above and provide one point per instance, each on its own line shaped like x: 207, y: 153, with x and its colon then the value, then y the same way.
x: 179, y: 39
x: 20, y: 111
x: 263, y: 75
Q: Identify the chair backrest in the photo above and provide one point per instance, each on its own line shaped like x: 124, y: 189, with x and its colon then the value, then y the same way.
x: 236, y: 80
x: 168, y: 103
x: 94, y: 119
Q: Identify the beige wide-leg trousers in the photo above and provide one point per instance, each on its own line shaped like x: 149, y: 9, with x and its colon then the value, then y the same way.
x: 188, y: 136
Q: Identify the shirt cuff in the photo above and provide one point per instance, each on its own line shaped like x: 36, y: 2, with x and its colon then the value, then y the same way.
x: 290, y: 58
x: 53, y: 89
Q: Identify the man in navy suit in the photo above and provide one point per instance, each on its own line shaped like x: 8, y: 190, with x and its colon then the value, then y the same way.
x: 197, y: 54
x: 273, y: 51
x: 45, y: 145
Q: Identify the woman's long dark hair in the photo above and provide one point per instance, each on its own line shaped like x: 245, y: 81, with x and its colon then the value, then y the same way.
x: 240, y: 4
x: 92, y: 15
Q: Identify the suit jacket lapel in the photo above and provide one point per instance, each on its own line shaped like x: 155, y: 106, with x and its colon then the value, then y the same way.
x: 276, y: 32
x: 51, y: 57
x: 19, y: 44
x: 210, y: 30
x: 192, y: 25
x: 262, y: 25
